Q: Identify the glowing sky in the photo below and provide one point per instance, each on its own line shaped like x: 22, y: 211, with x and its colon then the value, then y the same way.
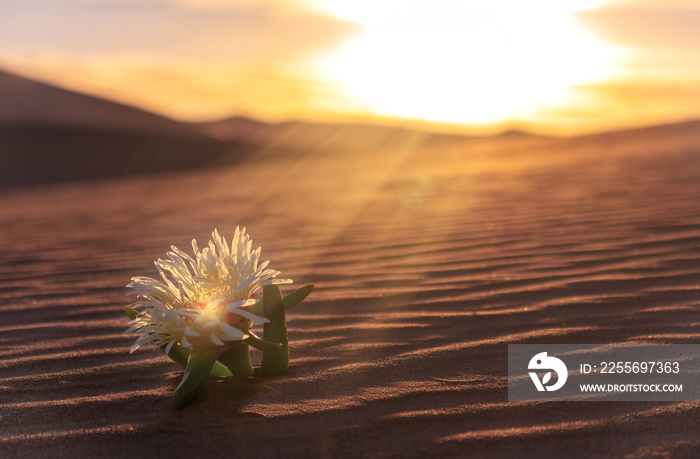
x: 549, y: 65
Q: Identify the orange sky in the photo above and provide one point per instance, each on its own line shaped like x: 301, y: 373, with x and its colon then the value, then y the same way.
x: 552, y: 66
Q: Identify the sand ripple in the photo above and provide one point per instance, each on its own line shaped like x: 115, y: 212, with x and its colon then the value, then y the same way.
x: 425, y: 271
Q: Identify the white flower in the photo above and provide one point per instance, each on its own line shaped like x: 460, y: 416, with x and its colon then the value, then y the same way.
x: 203, y: 301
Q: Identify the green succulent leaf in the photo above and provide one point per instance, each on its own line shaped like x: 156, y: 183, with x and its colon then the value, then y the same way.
x: 257, y: 308
x: 179, y: 355
x: 199, y: 366
x: 131, y: 312
x: 290, y: 300
x: 275, y: 362
x: 297, y: 296
x: 220, y: 370
x: 263, y: 345
x: 237, y: 360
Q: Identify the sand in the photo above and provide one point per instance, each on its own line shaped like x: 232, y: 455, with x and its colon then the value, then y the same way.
x: 427, y: 264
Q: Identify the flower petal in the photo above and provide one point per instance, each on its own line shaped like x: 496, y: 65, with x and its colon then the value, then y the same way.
x: 191, y: 332
x: 250, y: 316
x: 215, y: 339
x: 240, y: 304
x: 169, y: 347
x: 233, y: 332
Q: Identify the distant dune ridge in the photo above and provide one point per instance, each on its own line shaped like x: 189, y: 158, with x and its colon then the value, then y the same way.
x: 429, y: 258
x: 24, y: 102
x: 49, y: 135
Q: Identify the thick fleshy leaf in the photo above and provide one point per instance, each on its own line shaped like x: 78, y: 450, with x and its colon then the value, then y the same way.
x: 297, y: 296
x: 179, y: 355
x: 256, y: 309
x: 199, y: 366
x: 257, y: 343
x: 290, y: 300
x: 237, y: 360
x: 220, y: 370
x: 275, y: 362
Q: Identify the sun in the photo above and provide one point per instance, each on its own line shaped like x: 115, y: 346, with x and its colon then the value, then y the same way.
x: 469, y: 62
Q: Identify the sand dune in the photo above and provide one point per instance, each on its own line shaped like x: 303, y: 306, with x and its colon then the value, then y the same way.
x: 28, y: 102
x: 51, y: 135
x: 425, y: 271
